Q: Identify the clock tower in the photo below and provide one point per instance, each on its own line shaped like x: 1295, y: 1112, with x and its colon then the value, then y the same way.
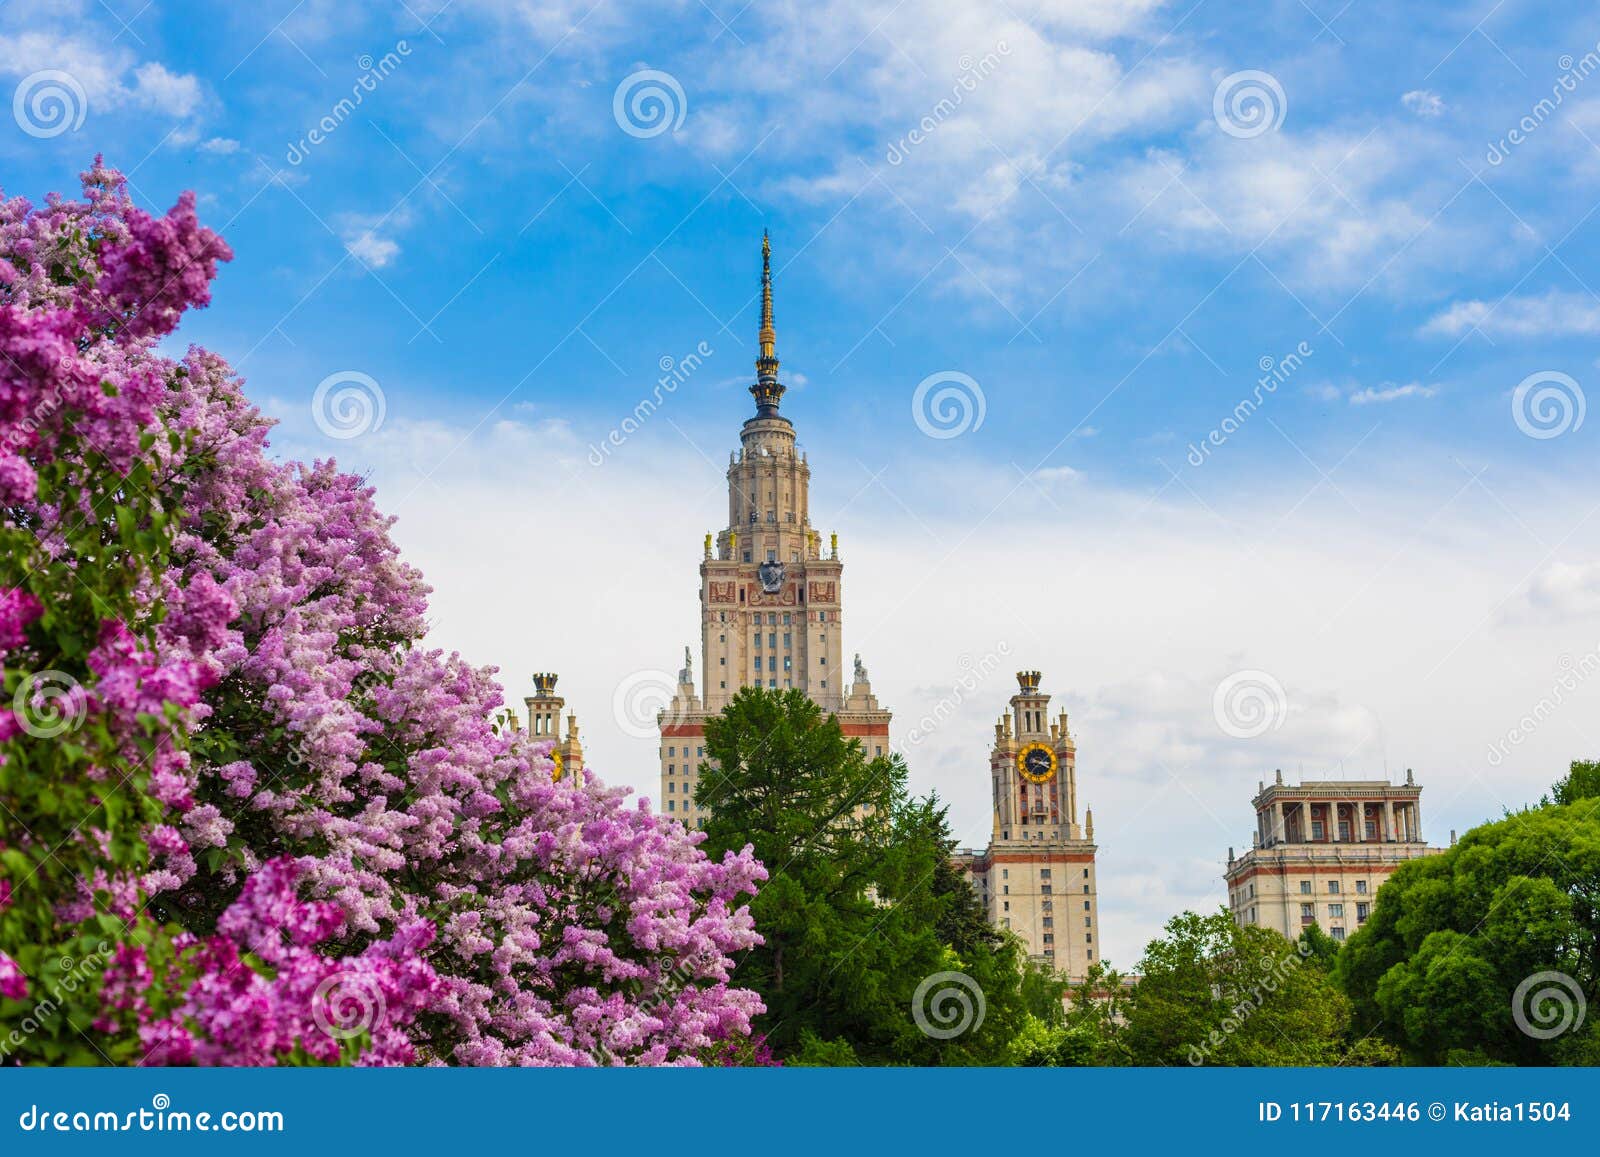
x: 771, y: 594
x: 1037, y: 877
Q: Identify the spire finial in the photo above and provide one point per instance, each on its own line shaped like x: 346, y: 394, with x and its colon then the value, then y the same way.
x: 767, y: 391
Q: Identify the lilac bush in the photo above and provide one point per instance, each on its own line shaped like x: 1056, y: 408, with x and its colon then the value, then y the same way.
x: 268, y: 780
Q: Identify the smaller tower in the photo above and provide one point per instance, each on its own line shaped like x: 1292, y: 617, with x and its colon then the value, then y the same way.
x: 544, y: 724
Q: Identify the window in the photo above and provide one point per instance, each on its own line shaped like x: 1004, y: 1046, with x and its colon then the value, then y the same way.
x: 1305, y: 912
x: 1333, y: 887
x: 772, y: 639
x: 1362, y: 912
x: 1048, y: 905
x: 1005, y: 873
x: 1049, y: 923
x: 671, y: 787
x: 1361, y: 887
x: 1044, y: 873
x: 758, y: 640
x: 1336, y: 911
x: 1316, y: 829
x: 1087, y: 922
x: 1045, y: 888
x: 1086, y: 889
x: 672, y: 805
x: 1006, y: 906
x: 786, y: 618
x: 1305, y: 887
x: 1086, y: 905
x: 1005, y: 889
x: 1336, y: 933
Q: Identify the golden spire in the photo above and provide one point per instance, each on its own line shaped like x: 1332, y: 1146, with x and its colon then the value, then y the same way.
x: 767, y: 391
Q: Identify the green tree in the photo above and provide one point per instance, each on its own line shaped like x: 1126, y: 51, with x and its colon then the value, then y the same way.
x: 1513, y: 908
x: 1215, y: 993
x: 862, y: 905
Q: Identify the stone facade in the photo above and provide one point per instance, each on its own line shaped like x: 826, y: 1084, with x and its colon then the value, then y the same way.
x: 1322, y: 849
x: 771, y: 596
x: 1037, y: 876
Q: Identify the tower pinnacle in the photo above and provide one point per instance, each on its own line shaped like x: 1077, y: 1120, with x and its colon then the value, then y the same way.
x: 767, y: 391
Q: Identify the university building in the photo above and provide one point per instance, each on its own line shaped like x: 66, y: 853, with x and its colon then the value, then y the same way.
x: 1321, y: 850
x: 771, y: 595
x: 1037, y: 876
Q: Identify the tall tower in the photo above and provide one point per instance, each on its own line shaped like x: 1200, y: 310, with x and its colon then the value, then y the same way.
x: 771, y: 598
x: 1037, y: 876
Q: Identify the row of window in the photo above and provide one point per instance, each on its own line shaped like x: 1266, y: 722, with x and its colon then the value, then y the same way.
x: 1333, y: 888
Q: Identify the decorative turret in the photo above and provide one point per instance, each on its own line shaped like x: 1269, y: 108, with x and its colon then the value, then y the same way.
x: 767, y: 391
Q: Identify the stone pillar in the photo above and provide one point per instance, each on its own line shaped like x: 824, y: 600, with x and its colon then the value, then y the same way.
x: 1388, y: 820
x: 1280, y: 832
x: 1333, y: 821
x: 1358, y: 821
x: 1416, y: 817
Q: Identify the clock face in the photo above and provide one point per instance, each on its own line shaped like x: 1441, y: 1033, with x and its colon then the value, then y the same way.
x: 1037, y: 763
x: 558, y: 766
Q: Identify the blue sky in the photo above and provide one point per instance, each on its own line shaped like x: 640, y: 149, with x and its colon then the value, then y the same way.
x: 1086, y: 228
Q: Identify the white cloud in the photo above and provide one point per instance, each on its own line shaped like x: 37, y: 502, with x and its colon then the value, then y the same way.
x: 111, y: 76
x: 372, y: 250
x: 1562, y: 592
x: 1424, y: 103
x: 1391, y: 393
x: 1557, y: 313
x: 220, y: 146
